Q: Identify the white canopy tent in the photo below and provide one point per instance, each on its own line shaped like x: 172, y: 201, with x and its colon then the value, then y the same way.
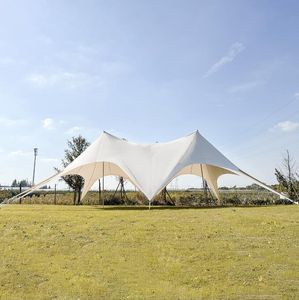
x: 151, y: 167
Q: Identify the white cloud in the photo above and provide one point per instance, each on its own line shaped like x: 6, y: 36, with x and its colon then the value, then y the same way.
x: 6, y: 122
x: 247, y: 86
x: 20, y: 153
x: 48, y: 123
x: 49, y: 160
x: 74, y: 130
x: 70, y: 80
x: 62, y: 122
x: 8, y: 61
x: 286, y: 126
x: 233, y: 52
x: 296, y: 95
x: 82, y: 54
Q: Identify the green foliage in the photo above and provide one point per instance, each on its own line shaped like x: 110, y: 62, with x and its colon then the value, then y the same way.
x: 22, y: 183
x: 253, y: 186
x: 14, y: 183
x: 6, y: 194
x: 76, y: 146
x: 288, y: 179
x: 178, y: 198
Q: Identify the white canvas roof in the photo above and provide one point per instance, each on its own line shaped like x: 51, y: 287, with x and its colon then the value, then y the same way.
x: 151, y: 167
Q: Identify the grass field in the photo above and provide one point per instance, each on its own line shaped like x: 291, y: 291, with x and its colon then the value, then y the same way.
x: 86, y: 252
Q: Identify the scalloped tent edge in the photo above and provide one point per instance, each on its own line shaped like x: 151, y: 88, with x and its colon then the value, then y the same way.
x: 151, y: 167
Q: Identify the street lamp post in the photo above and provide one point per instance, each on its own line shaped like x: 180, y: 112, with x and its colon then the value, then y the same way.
x: 34, y: 164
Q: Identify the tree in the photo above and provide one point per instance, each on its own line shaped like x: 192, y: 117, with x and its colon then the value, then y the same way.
x: 288, y: 178
x: 76, y: 146
x: 22, y: 183
x: 14, y: 183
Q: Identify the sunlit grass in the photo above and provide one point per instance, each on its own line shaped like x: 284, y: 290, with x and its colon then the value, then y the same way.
x: 87, y: 252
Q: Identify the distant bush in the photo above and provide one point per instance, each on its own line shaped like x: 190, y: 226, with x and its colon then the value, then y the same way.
x: 6, y: 194
x: 178, y: 198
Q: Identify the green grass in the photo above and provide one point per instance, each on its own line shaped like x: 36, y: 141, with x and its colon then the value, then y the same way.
x: 86, y: 252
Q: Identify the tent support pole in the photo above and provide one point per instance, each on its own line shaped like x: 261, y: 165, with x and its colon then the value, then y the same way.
x: 103, y: 200
x: 164, y: 194
x: 149, y: 204
x: 123, y: 194
x: 116, y: 190
x: 169, y: 197
x: 123, y: 191
x: 100, y: 192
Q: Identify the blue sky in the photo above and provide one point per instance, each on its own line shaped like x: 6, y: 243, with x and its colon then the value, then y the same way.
x: 149, y: 71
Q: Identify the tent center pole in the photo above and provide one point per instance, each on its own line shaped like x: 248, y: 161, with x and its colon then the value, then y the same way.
x: 149, y: 204
x: 103, y: 195
x: 100, y: 192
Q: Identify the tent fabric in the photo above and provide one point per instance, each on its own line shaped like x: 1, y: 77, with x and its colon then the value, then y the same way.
x: 151, y: 167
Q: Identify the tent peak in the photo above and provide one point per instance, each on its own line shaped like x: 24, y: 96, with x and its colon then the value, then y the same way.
x: 193, y: 133
x: 111, y: 135
x: 196, y: 132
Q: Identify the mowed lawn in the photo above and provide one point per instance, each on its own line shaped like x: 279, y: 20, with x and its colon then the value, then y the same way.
x: 86, y: 252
